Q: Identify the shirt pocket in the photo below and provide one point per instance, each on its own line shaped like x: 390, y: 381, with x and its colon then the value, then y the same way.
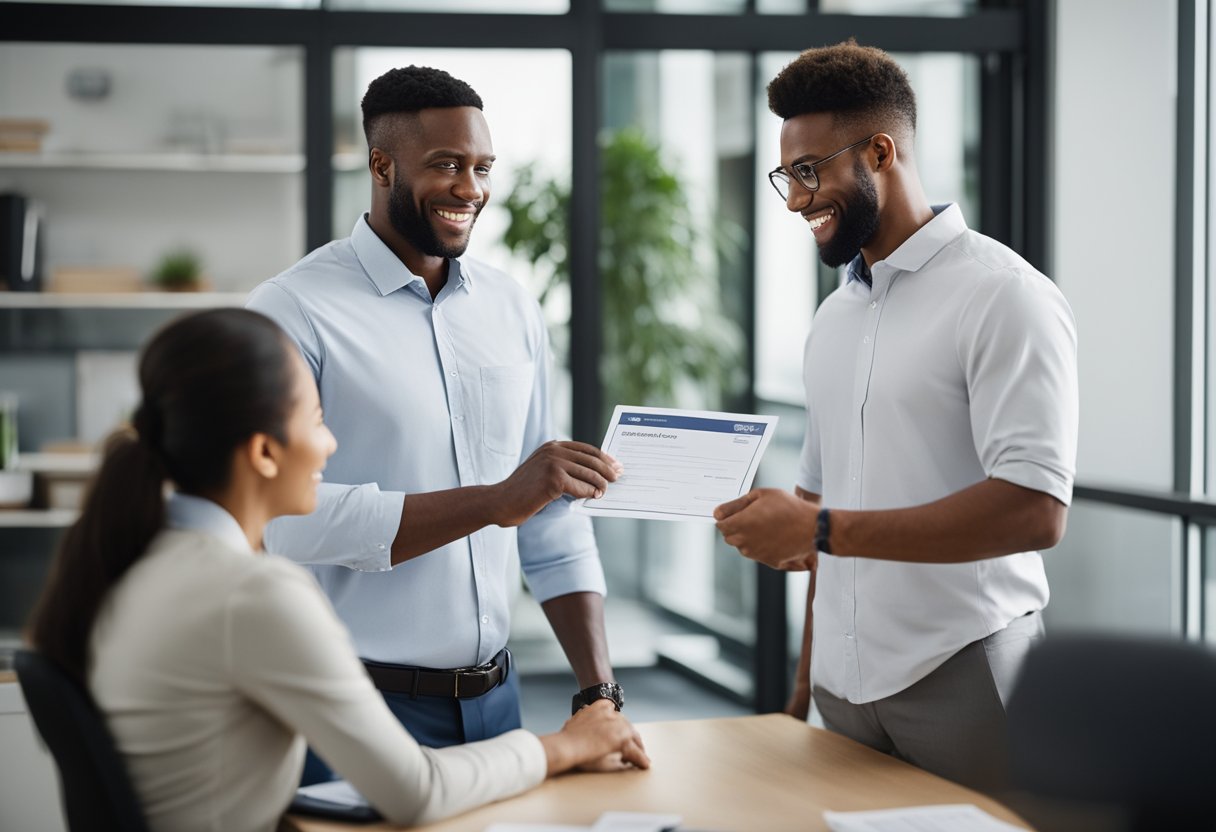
x: 506, y: 393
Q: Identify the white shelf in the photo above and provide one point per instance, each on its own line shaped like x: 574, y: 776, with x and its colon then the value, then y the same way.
x: 78, y: 464
x: 349, y: 161
x: 120, y: 300
x: 202, y: 162
x: 54, y: 518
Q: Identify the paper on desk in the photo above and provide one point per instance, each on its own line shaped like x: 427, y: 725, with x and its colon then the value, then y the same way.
x: 535, y: 827
x: 608, y: 822
x: 635, y: 822
x: 958, y: 817
x: 339, y: 792
x: 679, y: 464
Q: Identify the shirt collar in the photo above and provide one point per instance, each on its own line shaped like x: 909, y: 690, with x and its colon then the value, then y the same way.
x: 921, y: 247
x: 387, y: 271
x: 186, y: 512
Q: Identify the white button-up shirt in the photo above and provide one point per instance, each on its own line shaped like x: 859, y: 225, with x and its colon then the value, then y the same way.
x: 423, y: 395
x: 956, y: 364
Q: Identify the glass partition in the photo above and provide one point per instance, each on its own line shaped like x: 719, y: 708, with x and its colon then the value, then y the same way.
x: 1117, y: 570
x: 680, y: 121
x: 458, y: 6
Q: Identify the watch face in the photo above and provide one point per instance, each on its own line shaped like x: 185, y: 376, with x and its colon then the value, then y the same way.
x: 613, y: 692
x: 604, y: 690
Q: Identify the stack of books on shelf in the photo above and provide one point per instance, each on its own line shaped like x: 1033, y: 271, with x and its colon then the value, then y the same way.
x: 61, y: 477
x: 22, y: 135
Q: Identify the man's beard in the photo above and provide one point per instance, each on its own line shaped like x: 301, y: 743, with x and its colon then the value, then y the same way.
x: 417, y: 230
x: 859, y: 223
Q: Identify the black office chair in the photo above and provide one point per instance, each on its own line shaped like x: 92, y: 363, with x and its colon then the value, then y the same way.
x: 1128, y: 724
x: 93, y: 781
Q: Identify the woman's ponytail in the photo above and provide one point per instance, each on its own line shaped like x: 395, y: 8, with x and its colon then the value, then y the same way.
x: 210, y: 380
x: 123, y: 511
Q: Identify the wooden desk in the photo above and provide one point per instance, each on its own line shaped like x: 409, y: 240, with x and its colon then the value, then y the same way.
x: 746, y: 774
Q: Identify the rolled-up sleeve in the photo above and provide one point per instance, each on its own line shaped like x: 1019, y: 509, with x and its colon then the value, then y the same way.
x: 352, y: 525
x: 556, y: 546
x: 1018, y: 349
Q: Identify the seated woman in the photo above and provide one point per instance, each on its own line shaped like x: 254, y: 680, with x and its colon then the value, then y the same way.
x: 214, y: 663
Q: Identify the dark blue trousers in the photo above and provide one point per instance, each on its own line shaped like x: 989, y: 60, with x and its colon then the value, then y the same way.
x: 438, y: 721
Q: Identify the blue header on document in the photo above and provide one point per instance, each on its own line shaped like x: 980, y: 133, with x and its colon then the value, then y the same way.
x: 662, y: 420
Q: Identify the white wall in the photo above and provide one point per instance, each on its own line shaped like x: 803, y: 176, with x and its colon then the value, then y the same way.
x: 1113, y: 234
x: 1113, y: 212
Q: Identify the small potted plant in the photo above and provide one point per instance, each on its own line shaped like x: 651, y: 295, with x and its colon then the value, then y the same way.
x: 179, y: 271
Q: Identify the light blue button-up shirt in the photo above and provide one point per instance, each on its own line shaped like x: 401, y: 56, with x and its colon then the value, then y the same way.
x: 189, y: 513
x: 423, y: 396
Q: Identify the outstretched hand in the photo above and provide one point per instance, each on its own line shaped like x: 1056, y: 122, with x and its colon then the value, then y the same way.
x: 553, y: 470
x: 771, y: 526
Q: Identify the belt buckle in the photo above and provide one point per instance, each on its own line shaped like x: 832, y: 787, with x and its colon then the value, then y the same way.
x: 482, y: 671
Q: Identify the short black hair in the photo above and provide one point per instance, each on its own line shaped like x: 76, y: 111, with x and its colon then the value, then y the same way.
x: 410, y: 89
x: 855, y: 83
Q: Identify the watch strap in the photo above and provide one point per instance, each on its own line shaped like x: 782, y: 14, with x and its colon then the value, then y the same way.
x: 604, y: 690
x: 823, y: 531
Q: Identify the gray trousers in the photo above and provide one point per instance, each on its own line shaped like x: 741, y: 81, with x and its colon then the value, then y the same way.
x: 952, y: 722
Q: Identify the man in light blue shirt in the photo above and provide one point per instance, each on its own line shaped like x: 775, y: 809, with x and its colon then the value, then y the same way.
x: 434, y: 377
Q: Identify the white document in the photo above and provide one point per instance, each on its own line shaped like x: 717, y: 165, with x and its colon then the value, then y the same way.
x: 958, y: 817
x: 679, y: 464
x: 635, y: 822
x: 535, y: 827
x: 608, y: 822
x: 338, y: 792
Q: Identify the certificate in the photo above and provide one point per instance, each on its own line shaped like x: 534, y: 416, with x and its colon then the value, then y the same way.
x: 679, y: 464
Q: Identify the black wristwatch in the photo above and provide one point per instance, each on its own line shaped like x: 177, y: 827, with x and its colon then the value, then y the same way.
x: 604, y: 690
x: 823, y: 531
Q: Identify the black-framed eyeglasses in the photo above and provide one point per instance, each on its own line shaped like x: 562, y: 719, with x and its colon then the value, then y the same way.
x: 804, y: 172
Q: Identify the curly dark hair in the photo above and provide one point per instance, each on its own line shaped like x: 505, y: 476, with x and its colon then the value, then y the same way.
x: 856, y: 83
x: 410, y: 89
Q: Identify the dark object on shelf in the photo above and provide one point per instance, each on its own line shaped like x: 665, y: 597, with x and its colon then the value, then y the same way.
x: 94, y: 785
x: 86, y: 84
x: 21, y: 243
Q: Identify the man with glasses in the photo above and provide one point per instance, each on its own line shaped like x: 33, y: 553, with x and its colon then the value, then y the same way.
x: 940, y: 445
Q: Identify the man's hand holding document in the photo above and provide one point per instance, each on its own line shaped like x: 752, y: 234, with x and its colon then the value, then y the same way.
x: 679, y: 464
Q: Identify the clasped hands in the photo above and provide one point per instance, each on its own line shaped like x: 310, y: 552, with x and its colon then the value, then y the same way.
x: 772, y: 527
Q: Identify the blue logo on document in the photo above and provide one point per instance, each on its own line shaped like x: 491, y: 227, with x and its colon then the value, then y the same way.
x: 746, y: 428
x: 633, y: 418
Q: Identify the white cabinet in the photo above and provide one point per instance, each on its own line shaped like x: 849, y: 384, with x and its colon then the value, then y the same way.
x: 29, y: 784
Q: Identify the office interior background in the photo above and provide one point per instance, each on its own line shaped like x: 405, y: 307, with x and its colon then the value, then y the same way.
x: 1077, y: 131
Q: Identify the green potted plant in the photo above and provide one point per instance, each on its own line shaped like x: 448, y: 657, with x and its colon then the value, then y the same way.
x: 663, y: 327
x: 179, y: 271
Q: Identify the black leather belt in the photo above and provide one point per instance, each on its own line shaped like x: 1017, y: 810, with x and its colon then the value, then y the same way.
x: 458, y: 683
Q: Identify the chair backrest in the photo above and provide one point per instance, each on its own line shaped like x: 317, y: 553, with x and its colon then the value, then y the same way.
x: 1121, y: 722
x: 94, y: 784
